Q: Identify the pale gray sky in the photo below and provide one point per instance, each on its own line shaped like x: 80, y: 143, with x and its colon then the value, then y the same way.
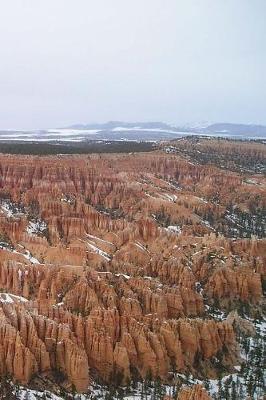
x: 78, y: 61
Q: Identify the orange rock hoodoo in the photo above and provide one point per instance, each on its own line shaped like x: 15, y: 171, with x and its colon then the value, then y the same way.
x: 197, y: 392
x: 116, y: 267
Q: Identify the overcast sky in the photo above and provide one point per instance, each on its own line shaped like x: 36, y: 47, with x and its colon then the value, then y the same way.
x: 178, y: 61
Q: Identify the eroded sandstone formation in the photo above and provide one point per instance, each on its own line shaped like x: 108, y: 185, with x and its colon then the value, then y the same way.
x: 195, y: 393
x: 109, y: 266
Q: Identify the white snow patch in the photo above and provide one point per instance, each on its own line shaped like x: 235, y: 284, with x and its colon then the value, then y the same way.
x: 124, y: 275
x: 10, y: 209
x: 35, y: 227
x: 72, y: 132
x: 101, y: 240
x: 11, y: 298
x: 173, y: 229
x: 168, y: 197
x: 141, y: 246
x: 29, y: 257
x: 27, y: 254
x: 100, y: 252
x: 30, y: 394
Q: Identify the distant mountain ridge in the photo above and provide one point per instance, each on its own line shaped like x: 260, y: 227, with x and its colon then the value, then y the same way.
x: 133, y: 131
x: 115, y: 124
x: 232, y: 129
x: 237, y: 129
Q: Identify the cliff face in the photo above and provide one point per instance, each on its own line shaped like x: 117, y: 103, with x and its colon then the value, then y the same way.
x: 108, y: 267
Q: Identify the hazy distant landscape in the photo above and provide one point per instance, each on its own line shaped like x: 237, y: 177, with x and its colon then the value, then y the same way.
x: 132, y: 131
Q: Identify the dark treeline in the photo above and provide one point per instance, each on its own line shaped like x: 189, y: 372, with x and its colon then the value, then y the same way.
x: 76, y: 148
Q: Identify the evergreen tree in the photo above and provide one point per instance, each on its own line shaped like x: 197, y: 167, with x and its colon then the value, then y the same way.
x: 233, y: 391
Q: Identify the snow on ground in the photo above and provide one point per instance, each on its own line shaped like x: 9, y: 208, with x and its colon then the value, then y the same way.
x: 215, y: 313
x: 153, y: 197
x: 136, y: 393
x: 35, y: 227
x: 72, y: 132
x: 141, y: 246
x: 11, y: 298
x: 29, y: 394
x: 168, y: 197
x: 10, y: 209
x: 206, y: 223
x: 27, y: 254
x: 124, y: 275
x: 201, y: 199
x: 5, y: 208
x: 66, y: 200
x: 29, y: 257
x: 199, y: 287
x: 101, y: 240
x: 78, y: 135
x: 100, y: 252
x: 5, y: 246
x: 38, y: 138
x: 101, y: 392
x: 173, y: 229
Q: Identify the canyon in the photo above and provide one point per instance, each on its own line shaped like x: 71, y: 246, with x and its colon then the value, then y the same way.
x: 127, y: 267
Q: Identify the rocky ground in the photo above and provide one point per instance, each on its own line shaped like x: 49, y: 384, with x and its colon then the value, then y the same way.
x: 131, y: 276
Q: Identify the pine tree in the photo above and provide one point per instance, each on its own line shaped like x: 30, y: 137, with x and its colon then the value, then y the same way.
x: 226, y: 392
x: 234, y: 391
x: 220, y: 388
x: 250, y: 386
x: 206, y: 384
